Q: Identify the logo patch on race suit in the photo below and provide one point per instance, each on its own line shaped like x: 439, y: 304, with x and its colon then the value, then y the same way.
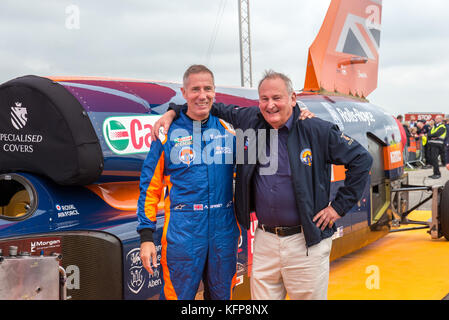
x: 183, y: 141
x: 180, y: 206
x: 197, y: 207
x: 223, y: 150
x: 186, y: 155
x: 306, y: 157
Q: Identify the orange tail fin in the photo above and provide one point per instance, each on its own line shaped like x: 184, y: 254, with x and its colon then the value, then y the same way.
x: 344, y: 56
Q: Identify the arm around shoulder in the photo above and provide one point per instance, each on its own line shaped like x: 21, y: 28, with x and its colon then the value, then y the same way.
x: 235, y: 115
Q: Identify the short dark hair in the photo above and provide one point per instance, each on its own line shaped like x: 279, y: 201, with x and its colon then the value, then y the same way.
x: 196, y: 68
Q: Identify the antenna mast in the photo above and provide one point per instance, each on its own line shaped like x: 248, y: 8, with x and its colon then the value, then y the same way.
x: 246, y: 71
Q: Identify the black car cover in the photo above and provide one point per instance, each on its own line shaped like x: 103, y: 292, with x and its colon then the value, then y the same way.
x: 46, y: 131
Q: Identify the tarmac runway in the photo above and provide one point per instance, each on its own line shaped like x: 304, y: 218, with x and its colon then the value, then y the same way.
x: 400, y: 266
x: 421, y: 177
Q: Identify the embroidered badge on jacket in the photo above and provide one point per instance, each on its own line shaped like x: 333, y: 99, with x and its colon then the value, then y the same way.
x: 306, y: 157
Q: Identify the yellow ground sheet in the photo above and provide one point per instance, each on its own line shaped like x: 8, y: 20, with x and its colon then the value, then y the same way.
x: 400, y: 266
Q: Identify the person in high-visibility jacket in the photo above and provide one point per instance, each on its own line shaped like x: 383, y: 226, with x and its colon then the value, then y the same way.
x: 436, y: 143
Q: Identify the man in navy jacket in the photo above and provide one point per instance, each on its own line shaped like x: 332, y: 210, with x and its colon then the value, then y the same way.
x: 293, y: 239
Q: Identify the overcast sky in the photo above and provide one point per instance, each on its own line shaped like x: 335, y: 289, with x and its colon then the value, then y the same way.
x: 157, y: 40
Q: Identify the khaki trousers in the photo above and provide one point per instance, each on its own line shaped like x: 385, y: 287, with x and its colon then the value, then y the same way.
x: 283, y: 265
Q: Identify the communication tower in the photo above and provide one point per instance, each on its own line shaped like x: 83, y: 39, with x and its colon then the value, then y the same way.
x: 245, y: 45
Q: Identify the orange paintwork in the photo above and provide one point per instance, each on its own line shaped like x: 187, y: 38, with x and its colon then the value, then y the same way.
x: 338, y: 173
x: 120, y: 195
x: 328, y: 67
x: 393, y: 156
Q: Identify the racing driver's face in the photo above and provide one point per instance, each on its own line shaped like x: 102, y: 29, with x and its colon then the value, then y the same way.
x: 275, y: 103
x: 199, y: 92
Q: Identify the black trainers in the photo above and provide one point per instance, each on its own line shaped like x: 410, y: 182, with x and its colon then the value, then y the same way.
x: 435, y: 176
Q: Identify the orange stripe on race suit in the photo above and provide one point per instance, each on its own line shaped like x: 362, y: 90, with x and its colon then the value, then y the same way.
x: 169, y: 290
x: 227, y: 126
x: 233, y: 283
x: 154, y: 190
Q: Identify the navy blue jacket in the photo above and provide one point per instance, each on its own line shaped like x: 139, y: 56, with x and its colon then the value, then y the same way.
x: 311, y: 172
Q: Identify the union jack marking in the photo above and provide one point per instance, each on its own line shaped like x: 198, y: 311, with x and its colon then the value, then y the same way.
x: 353, y: 41
x: 197, y: 207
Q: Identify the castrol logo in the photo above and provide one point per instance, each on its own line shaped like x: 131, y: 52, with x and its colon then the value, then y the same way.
x: 129, y: 134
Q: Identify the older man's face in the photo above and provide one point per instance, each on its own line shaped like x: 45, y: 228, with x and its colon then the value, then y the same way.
x: 275, y: 103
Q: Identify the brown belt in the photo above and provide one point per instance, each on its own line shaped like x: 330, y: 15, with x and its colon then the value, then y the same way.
x: 281, y: 231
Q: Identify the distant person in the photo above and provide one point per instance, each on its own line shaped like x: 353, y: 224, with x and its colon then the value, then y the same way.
x: 423, y: 130
x: 406, y: 129
x: 436, y: 143
x: 414, y: 132
x: 402, y: 132
x: 412, y: 121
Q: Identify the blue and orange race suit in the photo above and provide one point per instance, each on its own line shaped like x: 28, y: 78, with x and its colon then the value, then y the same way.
x: 200, y: 234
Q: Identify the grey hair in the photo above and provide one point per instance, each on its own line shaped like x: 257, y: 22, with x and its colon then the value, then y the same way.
x: 196, y: 68
x: 271, y: 74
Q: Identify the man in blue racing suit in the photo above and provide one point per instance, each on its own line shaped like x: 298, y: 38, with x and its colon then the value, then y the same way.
x: 195, y: 163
